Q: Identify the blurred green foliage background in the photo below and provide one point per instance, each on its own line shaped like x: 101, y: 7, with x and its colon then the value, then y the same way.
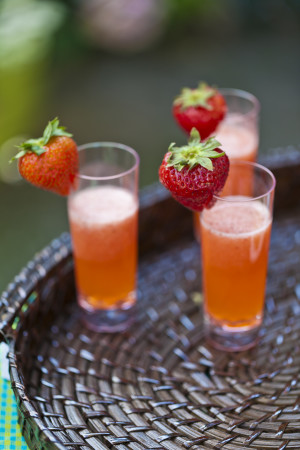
x: 110, y: 70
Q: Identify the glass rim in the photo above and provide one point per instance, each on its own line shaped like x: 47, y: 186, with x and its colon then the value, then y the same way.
x: 246, y: 96
x: 250, y: 199
x: 116, y: 145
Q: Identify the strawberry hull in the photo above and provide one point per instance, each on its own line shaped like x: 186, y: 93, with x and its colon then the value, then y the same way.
x: 194, y: 187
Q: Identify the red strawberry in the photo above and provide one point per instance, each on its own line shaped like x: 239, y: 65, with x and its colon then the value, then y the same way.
x: 202, y: 108
x: 195, y: 172
x: 50, y: 162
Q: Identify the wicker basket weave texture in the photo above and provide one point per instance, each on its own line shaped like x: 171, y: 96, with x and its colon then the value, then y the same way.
x: 159, y: 385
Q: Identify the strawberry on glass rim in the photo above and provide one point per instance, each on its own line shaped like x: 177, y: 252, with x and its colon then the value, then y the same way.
x: 194, y: 173
x: 50, y: 162
x: 202, y: 108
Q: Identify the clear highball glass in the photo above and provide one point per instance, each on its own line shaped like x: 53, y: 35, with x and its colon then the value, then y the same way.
x: 103, y: 218
x: 235, y: 236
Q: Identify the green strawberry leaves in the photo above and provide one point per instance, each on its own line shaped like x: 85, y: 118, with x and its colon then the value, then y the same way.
x: 53, y: 129
x: 196, y: 152
x: 37, y: 146
x: 195, y: 97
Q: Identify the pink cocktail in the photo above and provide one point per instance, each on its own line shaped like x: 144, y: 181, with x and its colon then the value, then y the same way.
x: 240, y: 142
x: 103, y: 222
x: 238, y: 133
x: 235, y: 243
x: 235, y: 236
x: 103, y: 216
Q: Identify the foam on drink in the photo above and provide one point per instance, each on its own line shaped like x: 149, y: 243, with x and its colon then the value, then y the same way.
x: 99, y: 205
x: 236, y: 219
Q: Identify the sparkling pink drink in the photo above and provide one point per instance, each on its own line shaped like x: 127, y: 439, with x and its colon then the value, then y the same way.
x: 235, y: 236
x: 238, y: 140
x: 103, y: 217
x: 103, y: 222
x: 235, y: 242
x: 238, y: 133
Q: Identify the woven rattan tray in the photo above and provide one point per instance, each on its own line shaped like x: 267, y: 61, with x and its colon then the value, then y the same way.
x: 159, y: 385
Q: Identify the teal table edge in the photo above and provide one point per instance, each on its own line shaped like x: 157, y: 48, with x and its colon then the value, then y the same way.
x: 10, y: 433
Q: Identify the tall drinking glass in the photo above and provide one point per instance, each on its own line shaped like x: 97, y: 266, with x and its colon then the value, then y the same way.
x: 103, y: 217
x: 235, y: 236
x: 238, y: 132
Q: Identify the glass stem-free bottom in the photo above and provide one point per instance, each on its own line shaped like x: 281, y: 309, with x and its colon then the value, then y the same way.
x: 110, y: 320
x: 231, y: 338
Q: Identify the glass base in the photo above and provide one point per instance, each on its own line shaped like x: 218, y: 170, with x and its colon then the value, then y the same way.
x: 108, y: 320
x: 231, y: 339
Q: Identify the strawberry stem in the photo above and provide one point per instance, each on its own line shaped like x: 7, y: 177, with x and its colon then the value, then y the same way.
x: 195, y: 97
x: 196, y: 152
x: 37, y: 146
